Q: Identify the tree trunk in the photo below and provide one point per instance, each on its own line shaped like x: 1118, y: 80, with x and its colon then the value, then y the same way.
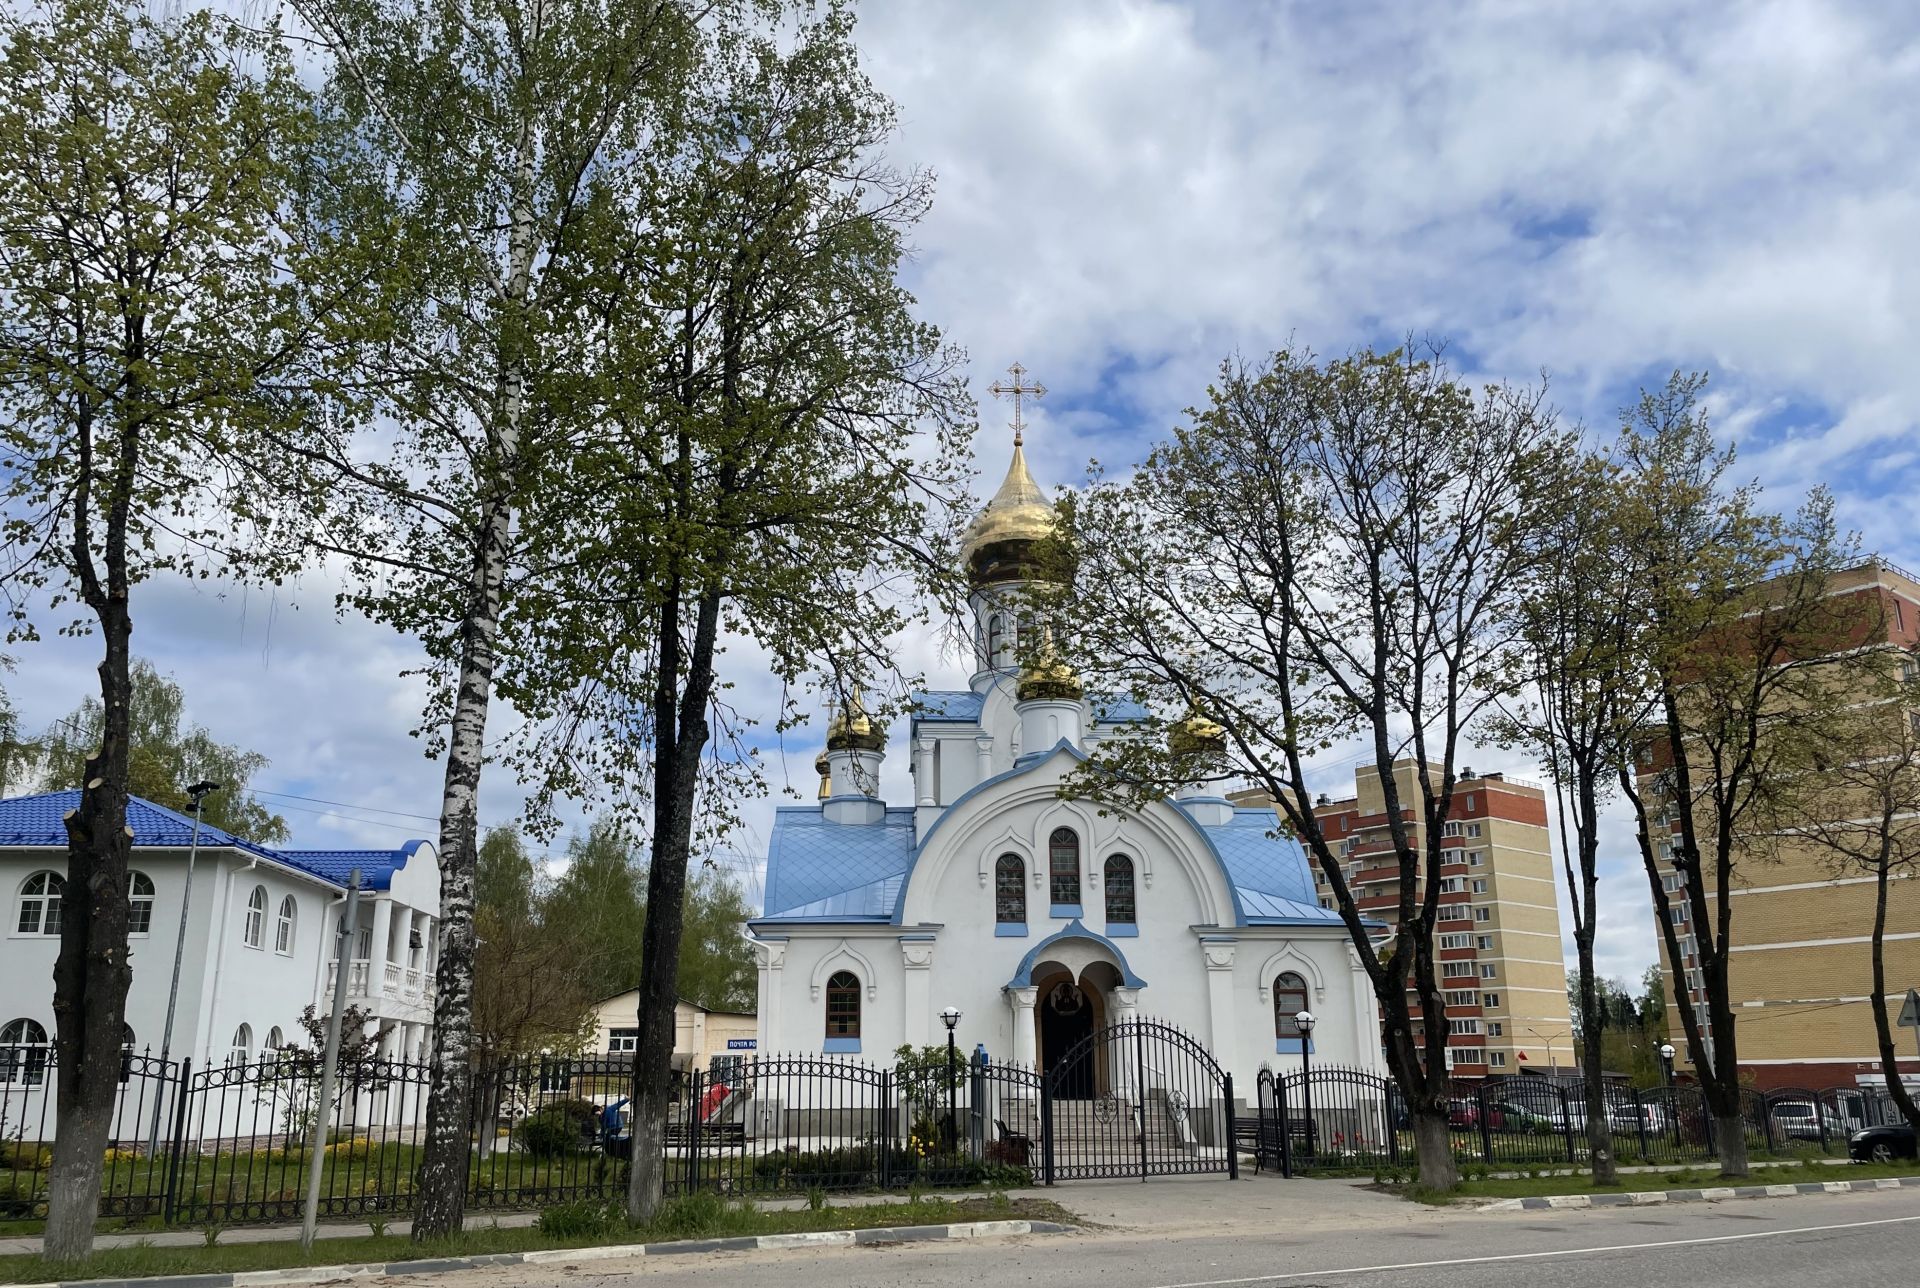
x: 1433, y: 1147
x: 442, y: 1194
x: 1730, y: 1141
x: 678, y: 783
x: 91, y: 974
x: 1882, y: 1028
x: 1599, y: 1133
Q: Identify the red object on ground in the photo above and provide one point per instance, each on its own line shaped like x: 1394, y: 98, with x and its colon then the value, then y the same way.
x: 715, y: 1097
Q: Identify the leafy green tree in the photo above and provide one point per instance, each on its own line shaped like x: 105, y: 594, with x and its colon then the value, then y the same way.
x: 164, y: 757
x: 599, y: 903
x: 496, y: 131
x: 1329, y: 552
x: 1749, y: 659
x: 716, y: 962
x: 154, y: 294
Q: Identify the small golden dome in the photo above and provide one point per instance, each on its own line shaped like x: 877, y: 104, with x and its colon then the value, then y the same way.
x: 821, y: 768
x: 1048, y: 679
x: 1196, y: 735
x: 852, y: 730
x: 999, y: 544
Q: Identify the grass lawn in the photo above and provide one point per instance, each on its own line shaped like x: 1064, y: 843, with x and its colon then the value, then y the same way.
x: 1678, y: 1179
x: 698, y: 1217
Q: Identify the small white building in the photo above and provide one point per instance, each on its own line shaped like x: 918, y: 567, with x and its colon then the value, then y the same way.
x: 1041, y: 919
x: 259, y: 940
x: 700, y: 1034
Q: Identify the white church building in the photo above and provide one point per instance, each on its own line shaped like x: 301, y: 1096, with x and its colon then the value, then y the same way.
x: 1040, y: 919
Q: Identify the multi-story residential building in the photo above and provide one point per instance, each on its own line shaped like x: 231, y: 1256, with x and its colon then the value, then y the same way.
x: 1799, y: 973
x: 259, y: 945
x: 1498, y: 939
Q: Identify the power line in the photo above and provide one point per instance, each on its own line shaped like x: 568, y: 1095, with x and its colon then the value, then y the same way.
x: 372, y: 809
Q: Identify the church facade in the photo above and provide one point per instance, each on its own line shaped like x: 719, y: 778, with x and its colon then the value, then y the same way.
x: 1040, y: 919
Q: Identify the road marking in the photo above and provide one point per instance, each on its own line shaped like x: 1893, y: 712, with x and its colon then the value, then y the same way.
x: 1534, y: 1256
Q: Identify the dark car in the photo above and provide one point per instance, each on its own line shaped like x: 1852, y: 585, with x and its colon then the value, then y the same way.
x: 1882, y: 1144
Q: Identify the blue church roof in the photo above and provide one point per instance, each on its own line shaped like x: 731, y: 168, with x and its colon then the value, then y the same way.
x: 817, y: 870
x: 38, y: 822
x: 962, y: 706
x: 1269, y: 870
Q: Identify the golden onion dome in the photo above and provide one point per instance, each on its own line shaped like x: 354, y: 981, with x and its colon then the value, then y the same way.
x: 1048, y: 678
x: 822, y: 768
x: 998, y: 545
x: 1196, y: 735
x: 852, y: 730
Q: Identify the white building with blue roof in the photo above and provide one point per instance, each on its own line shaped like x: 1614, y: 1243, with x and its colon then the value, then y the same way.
x: 1041, y: 919
x: 260, y: 938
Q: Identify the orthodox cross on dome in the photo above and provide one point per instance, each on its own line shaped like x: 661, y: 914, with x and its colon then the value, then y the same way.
x: 1017, y: 391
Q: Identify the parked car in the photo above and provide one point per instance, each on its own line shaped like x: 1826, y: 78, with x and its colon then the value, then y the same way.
x: 1519, y: 1118
x: 1466, y: 1114
x: 1882, y: 1144
x: 1802, y: 1119
x: 1627, y: 1120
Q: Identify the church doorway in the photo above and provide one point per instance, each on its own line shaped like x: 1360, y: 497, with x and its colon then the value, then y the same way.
x: 1068, y: 1013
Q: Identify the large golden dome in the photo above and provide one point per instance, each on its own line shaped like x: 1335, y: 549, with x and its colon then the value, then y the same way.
x: 999, y: 544
x: 851, y: 729
x: 1196, y: 735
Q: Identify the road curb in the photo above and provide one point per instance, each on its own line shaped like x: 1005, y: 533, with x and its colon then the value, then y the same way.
x: 547, y: 1256
x: 1709, y: 1194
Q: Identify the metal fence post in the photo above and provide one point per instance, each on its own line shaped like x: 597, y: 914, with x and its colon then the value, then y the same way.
x: 1046, y: 1127
x: 1286, y: 1129
x: 1640, y: 1121
x: 1233, y: 1143
x: 1566, y: 1119
x: 696, y: 1104
x: 1486, y: 1128
x: 888, y: 1132
x: 169, y: 1195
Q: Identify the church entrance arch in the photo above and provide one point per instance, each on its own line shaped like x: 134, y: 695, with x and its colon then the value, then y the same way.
x: 1137, y: 1098
x: 1067, y: 1013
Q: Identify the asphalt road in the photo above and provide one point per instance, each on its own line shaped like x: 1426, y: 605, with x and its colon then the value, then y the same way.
x: 1861, y: 1241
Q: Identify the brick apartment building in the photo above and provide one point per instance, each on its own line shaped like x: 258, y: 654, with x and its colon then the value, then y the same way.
x: 1799, y: 968
x: 1499, y: 936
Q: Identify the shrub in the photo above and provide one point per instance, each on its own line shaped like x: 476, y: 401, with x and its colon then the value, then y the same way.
x: 1004, y: 1176
x: 586, y: 1219
x: 558, y: 1128
x: 19, y: 1156
x: 352, y: 1149
x: 691, y: 1215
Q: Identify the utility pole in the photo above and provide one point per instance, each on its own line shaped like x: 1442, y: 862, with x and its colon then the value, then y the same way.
x: 316, y: 1147
x: 196, y: 798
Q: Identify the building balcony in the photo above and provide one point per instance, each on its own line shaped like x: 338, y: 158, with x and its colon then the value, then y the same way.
x: 405, y: 984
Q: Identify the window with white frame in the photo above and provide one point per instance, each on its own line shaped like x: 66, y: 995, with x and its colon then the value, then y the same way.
x: 139, y: 903
x: 1466, y: 1055
x: 1487, y: 971
x: 1449, y: 942
x: 23, y: 1053
x: 276, y: 1040
x: 253, y: 933
x: 1460, y: 997
x: 1476, y: 858
x: 1473, y: 830
x: 1451, y: 885
x: 1457, y: 968
x: 1484, y: 943
x: 1482, y: 913
x: 1489, y: 1001
x: 40, y: 898
x: 242, y: 1049
x: 1451, y: 829
x: 622, y: 1041
x: 1496, y: 1029
x: 1496, y: 1059
x: 283, y: 927
x: 1479, y: 885
x: 1459, y: 1027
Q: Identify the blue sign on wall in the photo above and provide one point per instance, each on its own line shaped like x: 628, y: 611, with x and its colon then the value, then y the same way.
x: 742, y: 1044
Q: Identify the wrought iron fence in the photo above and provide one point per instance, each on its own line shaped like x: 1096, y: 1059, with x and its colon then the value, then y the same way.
x: 1350, y: 1120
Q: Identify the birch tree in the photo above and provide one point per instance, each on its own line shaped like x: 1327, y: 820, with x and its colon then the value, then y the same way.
x: 1328, y: 554
x: 1748, y: 660
x: 155, y: 288
x: 497, y: 129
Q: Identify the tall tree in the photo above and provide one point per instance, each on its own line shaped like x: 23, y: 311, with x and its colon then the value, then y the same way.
x: 786, y: 436
x: 1748, y: 658
x: 498, y: 130
x: 163, y: 757
x: 1328, y: 553
x: 1583, y: 706
x: 530, y: 992
x: 153, y: 287
x: 716, y: 963
x: 1864, y: 818
x: 600, y: 902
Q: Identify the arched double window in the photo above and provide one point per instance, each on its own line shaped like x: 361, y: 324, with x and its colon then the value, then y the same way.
x: 283, y: 927
x: 1289, y: 999
x: 1120, y: 908
x: 843, y: 1005
x: 242, y: 1049
x: 275, y: 1040
x: 1063, y: 867
x: 139, y: 903
x: 40, y: 900
x: 23, y: 1053
x: 1010, y: 891
x: 254, y: 932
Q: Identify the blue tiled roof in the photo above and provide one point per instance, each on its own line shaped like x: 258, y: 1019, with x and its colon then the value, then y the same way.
x: 814, y: 865
x: 39, y: 822
x: 945, y: 706
x: 1109, y: 709
x: 1270, y: 872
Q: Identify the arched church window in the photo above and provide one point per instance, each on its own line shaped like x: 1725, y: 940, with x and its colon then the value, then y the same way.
x: 1063, y: 866
x: 1120, y: 890
x: 1010, y: 891
x: 1289, y: 999
x: 996, y: 639
x: 843, y: 1005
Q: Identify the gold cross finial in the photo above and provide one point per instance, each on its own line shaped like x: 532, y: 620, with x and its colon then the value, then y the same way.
x: 1017, y: 391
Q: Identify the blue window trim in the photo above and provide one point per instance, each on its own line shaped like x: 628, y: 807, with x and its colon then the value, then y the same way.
x: 1009, y: 930
x: 1064, y: 910
x: 1291, y: 1046
x: 841, y: 1046
x: 1123, y: 930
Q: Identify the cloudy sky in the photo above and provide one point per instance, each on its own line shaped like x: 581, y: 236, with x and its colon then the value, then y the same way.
x: 1130, y: 190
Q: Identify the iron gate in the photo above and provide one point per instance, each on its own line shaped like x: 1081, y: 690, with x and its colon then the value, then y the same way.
x: 1138, y: 1098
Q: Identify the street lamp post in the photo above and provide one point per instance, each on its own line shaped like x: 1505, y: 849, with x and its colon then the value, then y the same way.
x: 951, y: 1018
x: 1553, y: 1065
x: 196, y: 797
x: 1303, y: 1022
x: 1666, y: 1066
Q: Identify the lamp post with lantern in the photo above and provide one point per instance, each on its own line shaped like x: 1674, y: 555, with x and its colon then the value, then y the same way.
x: 1303, y: 1023
x: 951, y: 1018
